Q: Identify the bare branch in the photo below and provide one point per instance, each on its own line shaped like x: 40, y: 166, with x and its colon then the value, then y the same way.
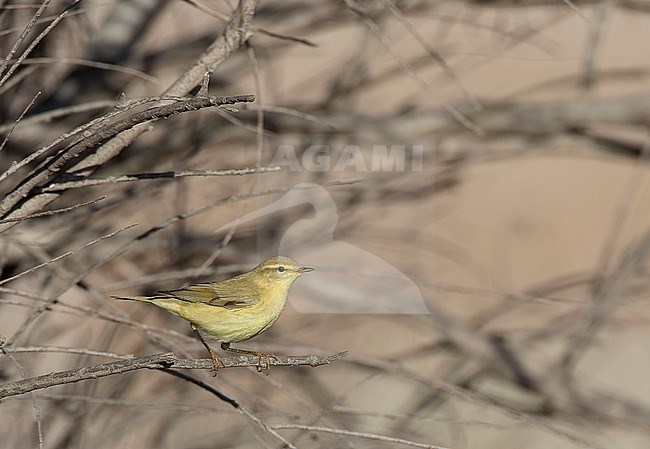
x: 164, y: 175
x: 65, y: 350
x: 94, y: 64
x: 218, y: 15
x: 38, y: 39
x: 380, y: 33
x: 66, y: 254
x: 23, y: 35
x: 52, y: 168
x: 18, y: 120
x: 61, y: 112
x: 158, y: 361
x: 235, y: 34
x: 53, y: 212
x: 366, y: 435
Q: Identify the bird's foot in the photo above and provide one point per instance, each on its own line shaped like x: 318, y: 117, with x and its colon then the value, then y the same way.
x: 263, y: 362
x: 216, y: 361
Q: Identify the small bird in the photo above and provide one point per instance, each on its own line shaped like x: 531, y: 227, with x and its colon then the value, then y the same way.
x: 235, y: 309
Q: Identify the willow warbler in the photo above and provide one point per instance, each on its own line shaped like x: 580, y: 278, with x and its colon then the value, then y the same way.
x: 234, y: 309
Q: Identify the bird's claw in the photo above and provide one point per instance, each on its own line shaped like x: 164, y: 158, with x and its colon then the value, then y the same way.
x: 216, y: 361
x: 266, y: 366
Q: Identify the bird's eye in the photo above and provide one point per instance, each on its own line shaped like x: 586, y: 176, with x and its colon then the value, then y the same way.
x: 281, y: 269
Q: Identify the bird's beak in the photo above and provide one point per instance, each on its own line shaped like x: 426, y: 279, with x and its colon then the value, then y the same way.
x: 305, y: 269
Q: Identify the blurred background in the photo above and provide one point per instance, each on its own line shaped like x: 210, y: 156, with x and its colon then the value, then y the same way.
x: 469, y: 178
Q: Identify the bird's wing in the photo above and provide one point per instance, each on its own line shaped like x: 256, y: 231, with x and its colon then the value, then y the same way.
x: 220, y: 294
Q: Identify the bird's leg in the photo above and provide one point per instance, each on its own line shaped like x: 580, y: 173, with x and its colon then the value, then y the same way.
x: 213, y: 355
x: 266, y: 366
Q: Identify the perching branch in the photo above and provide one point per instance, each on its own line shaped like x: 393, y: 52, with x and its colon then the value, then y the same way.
x: 159, y: 362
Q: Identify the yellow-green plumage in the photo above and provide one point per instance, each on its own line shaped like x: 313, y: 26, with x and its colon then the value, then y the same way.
x: 235, y: 309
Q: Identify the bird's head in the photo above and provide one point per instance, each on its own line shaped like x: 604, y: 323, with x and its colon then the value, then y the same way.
x: 279, y: 271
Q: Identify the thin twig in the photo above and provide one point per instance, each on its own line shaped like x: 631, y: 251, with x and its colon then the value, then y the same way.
x: 296, y: 113
x: 48, y: 116
x: 162, y: 175
x: 201, y: 384
x: 65, y: 350
x: 603, y: 303
x: 368, y: 436
x: 127, y: 403
x: 576, y: 9
x: 38, y: 312
x: 227, y: 200
x: 93, y: 64
x: 275, y: 34
x: 23, y: 36
x: 32, y: 396
x: 41, y: 21
x: 188, y: 273
x: 472, y: 397
x: 269, y: 429
x: 53, y: 212
x: 381, y: 35
x: 66, y: 254
x: 20, y: 117
x: 17, y: 79
x: 83, y: 311
x: 37, y: 40
x: 433, y: 53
